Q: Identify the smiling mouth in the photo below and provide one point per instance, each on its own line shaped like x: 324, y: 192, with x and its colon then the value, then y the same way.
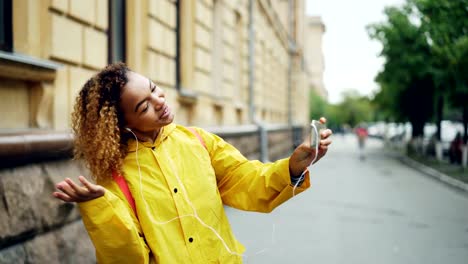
x: 165, y: 113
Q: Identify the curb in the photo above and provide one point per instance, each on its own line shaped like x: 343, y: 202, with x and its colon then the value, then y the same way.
x: 434, y: 173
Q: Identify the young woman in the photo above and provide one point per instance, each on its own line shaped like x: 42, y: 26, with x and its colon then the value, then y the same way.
x: 178, y: 178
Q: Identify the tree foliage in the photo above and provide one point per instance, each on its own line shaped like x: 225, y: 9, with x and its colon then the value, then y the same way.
x: 353, y: 109
x: 445, y: 23
x: 317, y: 104
x: 406, y: 81
x: 425, y: 46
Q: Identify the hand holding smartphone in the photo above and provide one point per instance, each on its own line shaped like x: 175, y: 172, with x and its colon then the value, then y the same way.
x: 316, y: 127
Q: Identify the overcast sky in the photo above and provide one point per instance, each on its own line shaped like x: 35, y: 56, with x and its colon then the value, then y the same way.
x: 350, y: 56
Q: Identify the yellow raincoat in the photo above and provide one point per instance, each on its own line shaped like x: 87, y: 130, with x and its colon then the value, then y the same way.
x: 179, y: 200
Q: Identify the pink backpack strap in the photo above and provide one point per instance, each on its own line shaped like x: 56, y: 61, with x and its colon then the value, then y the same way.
x: 197, y: 135
x: 120, y: 180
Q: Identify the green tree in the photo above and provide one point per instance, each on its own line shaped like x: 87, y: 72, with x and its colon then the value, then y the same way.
x: 335, y: 120
x: 355, y: 108
x: 445, y: 24
x: 318, y: 105
x: 406, y: 81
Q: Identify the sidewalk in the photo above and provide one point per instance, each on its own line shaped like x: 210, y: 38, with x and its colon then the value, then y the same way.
x: 449, y: 174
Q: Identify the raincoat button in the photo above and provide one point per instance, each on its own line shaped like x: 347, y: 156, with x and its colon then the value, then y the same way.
x: 190, y: 240
x: 152, y: 148
x: 175, y: 190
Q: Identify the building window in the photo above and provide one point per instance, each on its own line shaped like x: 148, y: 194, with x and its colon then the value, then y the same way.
x: 218, y: 115
x: 6, y: 26
x: 117, y: 31
x: 217, y: 51
x: 238, y: 59
x: 178, y: 47
x: 185, y: 28
x: 239, y: 118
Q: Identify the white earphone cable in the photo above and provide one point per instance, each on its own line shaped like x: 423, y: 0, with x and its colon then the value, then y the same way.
x: 195, y: 215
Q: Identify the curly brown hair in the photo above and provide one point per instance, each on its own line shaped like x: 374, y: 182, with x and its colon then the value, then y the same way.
x: 97, y: 122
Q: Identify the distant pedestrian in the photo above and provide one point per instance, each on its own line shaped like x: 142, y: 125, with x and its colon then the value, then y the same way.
x: 361, y: 134
x: 455, y: 150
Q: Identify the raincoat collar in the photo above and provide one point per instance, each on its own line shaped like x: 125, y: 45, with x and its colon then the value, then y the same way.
x: 163, y: 134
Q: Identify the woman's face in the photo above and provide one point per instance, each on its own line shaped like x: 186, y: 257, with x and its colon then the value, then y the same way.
x: 144, y: 105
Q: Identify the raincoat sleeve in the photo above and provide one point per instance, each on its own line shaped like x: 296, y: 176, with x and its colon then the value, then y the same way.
x: 114, y: 230
x: 250, y: 185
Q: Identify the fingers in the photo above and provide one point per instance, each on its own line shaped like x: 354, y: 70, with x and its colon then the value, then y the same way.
x: 91, y: 187
x: 325, y: 142
x: 71, y: 192
x: 323, y: 147
x: 97, y: 190
x: 305, y: 147
x: 65, y: 188
x: 67, y: 193
x: 326, y: 133
x: 62, y: 196
x: 78, y: 190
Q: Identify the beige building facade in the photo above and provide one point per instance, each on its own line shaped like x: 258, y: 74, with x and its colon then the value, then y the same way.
x: 315, y: 29
x: 221, y: 62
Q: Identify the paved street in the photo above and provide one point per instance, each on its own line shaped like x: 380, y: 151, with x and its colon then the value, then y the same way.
x: 373, y: 211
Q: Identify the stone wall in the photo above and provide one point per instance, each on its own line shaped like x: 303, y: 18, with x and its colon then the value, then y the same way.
x: 34, y: 226
x: 69, y: 244
x: 280, y: 144
x: 248, y: 144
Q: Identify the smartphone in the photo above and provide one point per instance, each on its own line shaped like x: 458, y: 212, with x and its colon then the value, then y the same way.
x: 316, y: 127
